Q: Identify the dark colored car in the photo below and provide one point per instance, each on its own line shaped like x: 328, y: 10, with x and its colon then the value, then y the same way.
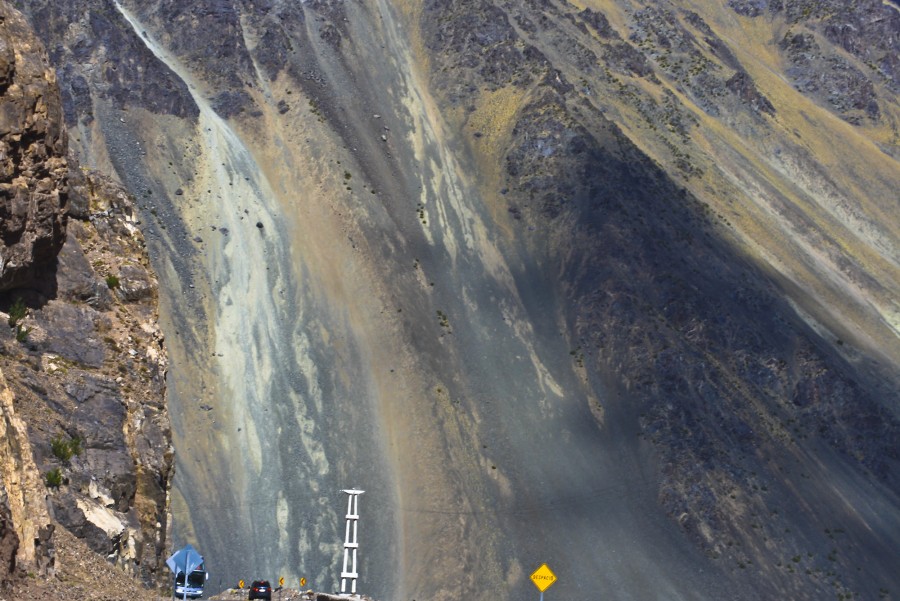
x: 261, y: 589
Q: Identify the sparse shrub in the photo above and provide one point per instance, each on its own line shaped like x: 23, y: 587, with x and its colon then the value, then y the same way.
x: 65, y: 448
x: 22, y: 333
x: 17, y: 312
x: 53, y: 478
x: 112, y: 281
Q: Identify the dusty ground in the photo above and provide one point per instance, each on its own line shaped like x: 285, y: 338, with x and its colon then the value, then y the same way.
x: 81, y: 574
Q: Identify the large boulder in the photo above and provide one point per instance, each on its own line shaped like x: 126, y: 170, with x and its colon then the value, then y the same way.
x: 33, y: 165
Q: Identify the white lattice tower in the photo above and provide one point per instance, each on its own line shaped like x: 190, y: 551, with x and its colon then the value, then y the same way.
x: 351, y: 543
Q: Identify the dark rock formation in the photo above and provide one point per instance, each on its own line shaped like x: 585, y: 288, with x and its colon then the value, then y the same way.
x: 749, y: 8
x: 126, y: 67
x: 743, y: 87
x: 482, y: 41
x: 868, y: 30
x: 33, y: 168
x: 831, y: 78
x: 697, y: 59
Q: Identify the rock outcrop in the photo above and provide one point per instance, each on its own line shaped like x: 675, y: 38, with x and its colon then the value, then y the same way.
x: 25, y: 525
x: 33, y: 168
x: 86, y: 442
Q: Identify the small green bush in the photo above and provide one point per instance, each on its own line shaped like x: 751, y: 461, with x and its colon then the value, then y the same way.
x: 53, y: 478
x: 17, y: 312
x: 65, y: 448
x: 112, y: 281
x: 22, y: 333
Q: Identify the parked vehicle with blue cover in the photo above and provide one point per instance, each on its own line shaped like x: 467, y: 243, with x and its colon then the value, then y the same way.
x: 190, y: 575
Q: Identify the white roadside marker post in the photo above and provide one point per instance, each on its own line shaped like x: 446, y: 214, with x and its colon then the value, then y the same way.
x: 351, y: 544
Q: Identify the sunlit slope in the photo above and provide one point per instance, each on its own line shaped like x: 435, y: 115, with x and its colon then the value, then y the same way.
x: 813, y: 196
x: 808, y: 195
x: 539, y: 279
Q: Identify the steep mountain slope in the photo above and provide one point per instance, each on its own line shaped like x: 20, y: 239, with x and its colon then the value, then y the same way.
x: 602, y: 284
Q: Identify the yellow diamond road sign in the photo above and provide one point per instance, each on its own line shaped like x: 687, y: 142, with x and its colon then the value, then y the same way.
x: 543, y: 578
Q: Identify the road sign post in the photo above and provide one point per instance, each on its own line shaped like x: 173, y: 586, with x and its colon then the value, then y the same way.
x: 543, y: 578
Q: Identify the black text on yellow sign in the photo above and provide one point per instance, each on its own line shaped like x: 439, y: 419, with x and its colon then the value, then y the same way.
x: 281, y: 581
x: 302, y: 582
x: 543, y: 577
x: 240, y: 584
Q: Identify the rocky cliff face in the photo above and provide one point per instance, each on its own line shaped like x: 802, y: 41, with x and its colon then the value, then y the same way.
x: 86, y: 442
x: 33, y: 154
x: 534, y: 274
x: 102, y: 394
